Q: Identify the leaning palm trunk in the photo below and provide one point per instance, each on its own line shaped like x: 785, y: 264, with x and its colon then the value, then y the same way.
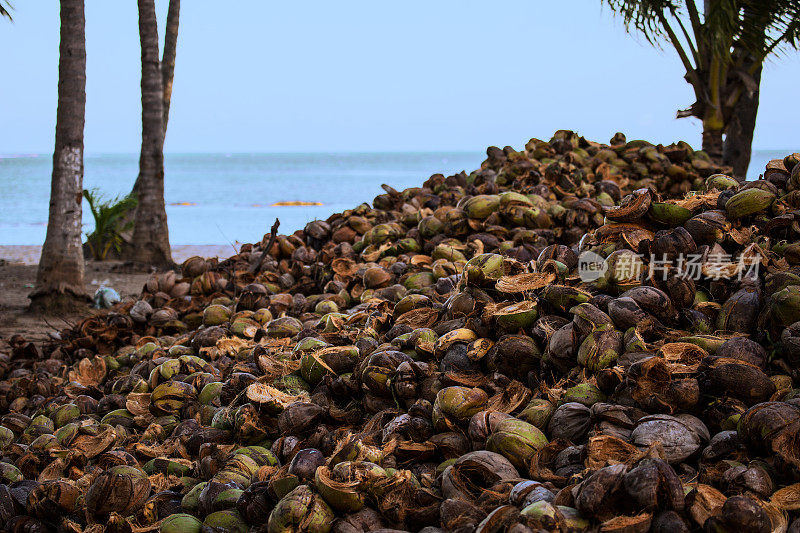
x: 168, y: 59
x: 59, y: 279
x: 150, y: 241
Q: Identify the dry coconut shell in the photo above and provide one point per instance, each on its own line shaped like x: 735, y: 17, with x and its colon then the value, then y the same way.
x: 477, y: 349
x: 778, y: 517
x: 231, y: 345
x: 630, y: 233
x: 525, y: 282
x: 628, y: 524
x: 683, y: 352
x: 787, y: 498
x: 344, y: 267
x: 94, y: 445
x: 633, y: 206
x: 606, y: 450
x: 89, y: 371
x: 273, y: 399
x: 512, y: 398
x: 422, y: 317
x: 704, y: 502
x: 694, y: 201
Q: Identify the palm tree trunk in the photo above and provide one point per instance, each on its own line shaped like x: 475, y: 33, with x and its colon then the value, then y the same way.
x: 742, y: 123
x: 59, y: 279
x: 739, y: 133
x: 712, y: 143
x: 150, y: 241
x: 168, y: 59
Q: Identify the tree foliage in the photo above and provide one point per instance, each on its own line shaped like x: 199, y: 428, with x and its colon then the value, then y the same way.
x: 722, y: 45
x: 5, y: 8
x: 757, y: 25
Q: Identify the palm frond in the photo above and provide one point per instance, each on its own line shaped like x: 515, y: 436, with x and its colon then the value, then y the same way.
x: 5, y: 9
x: 644, y: 16
x: 756, y: 25
x: 783, y: 29
x: 111, y: 219
x: 721, y: 23
x: 767, y: 27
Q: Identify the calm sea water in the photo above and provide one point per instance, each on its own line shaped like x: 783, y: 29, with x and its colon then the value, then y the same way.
x: 229, y: 195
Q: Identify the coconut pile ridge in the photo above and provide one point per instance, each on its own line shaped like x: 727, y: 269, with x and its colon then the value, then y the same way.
x: 574, y: 336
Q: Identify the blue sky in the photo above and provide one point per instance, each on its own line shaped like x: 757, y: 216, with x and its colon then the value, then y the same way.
x: 265, y: 76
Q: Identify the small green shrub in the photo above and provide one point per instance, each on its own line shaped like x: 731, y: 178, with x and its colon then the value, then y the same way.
x: 112, y: 218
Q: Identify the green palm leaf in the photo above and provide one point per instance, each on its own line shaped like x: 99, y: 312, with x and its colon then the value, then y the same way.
x: 760, y: 27
x: 717, y: 41
x: 111, y: 219
x: 5, y: 8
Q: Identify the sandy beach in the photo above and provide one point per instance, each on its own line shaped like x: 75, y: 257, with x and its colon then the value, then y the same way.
x: 18, y: 266
x: 29, y: 254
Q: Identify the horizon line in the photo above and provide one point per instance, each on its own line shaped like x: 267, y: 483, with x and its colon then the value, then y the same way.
x: 24, y: 154
x: 287, y: 152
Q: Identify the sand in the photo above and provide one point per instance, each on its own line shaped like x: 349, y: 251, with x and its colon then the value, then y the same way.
x: 29, y: 254
x: 18, y: 266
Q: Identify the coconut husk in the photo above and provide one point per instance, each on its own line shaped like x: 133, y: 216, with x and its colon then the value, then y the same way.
x: 135, y: 528
x: 703, y: 502
x: 512, y: 398
x: 654, y: 379
x: 540, y: 467
x: 54, y: 470
x: 606, y: 450
x: 491, y: 309
x: 343, y: 415
x: 682, y: 352
x: 89, y: 371
x: 138, y: 404
x: 396, y: 495
x: 682, y: 357
x: 524, y: 282
x: 421, y: 260
x: 628, y: 524
x: 161, y: 482
x: 465, y: 379
x: 261, y: 393
x: 423, y: 317
x: 778, y: 517
x: 697, y: 200
x: 786, y: 444
x: 94, y: 445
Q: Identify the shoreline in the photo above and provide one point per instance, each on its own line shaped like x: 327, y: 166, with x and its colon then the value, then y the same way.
x: 28, y: 254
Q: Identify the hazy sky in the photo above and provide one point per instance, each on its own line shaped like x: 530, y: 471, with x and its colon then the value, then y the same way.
x: 255, y: 75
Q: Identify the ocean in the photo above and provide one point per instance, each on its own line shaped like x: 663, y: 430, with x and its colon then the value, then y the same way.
x: 224, y: 198
x: 227, y: 198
